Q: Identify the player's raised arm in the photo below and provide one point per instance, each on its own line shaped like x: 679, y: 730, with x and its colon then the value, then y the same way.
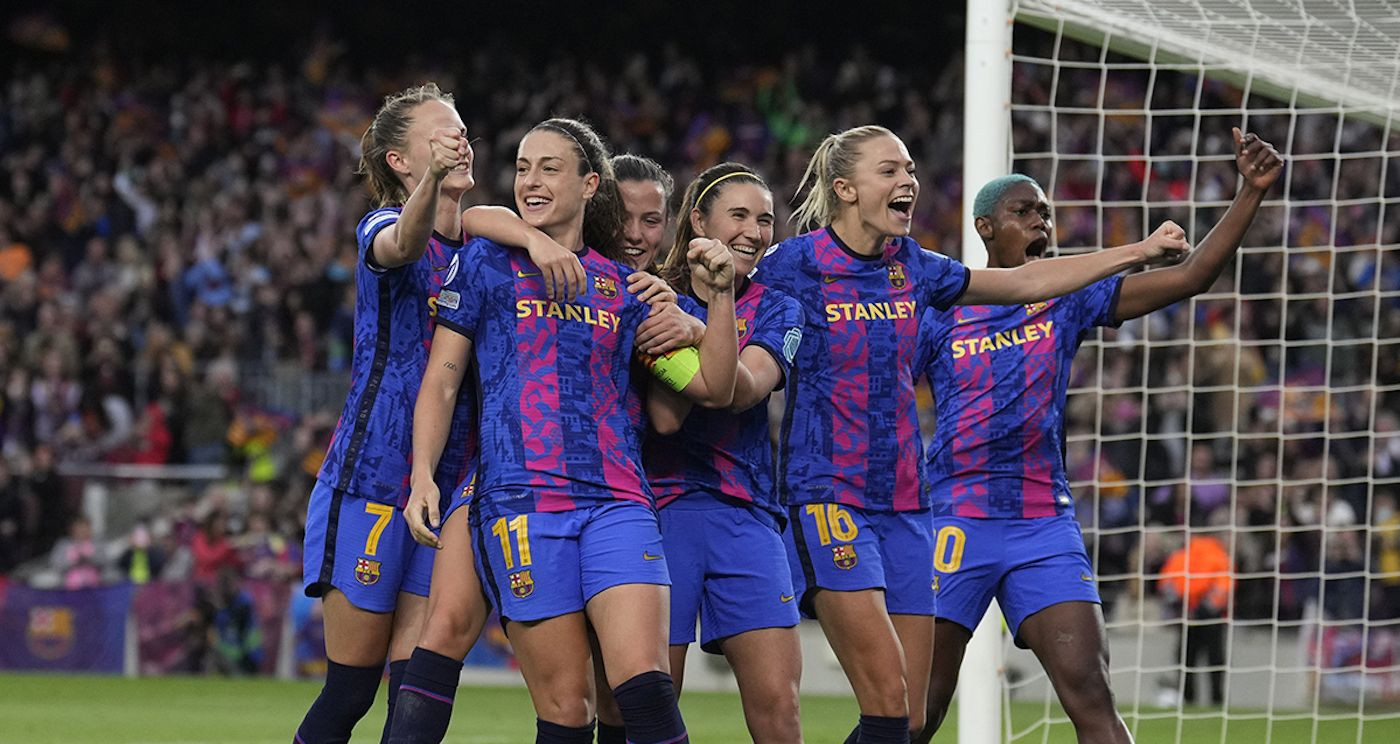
x: 432, y: 418
x: 564, y: 278
x: 1043, y: 280
x: 712, y: 265
x: 406, y: 240
x: 1259, y: 165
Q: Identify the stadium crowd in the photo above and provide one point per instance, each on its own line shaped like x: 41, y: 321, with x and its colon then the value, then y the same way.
x: 174, y: 249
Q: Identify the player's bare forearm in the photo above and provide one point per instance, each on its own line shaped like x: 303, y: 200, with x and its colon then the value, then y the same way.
x: 406, y: 241
x: 1153, y: 290
x: 666, y: 409
x: 719, y: 354
x: 1042, y: 280
x: 437, y: 398
x: 563, y: 274
x: 755, y: 379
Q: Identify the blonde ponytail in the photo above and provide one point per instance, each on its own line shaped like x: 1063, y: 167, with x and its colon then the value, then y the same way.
x: 835, y: 158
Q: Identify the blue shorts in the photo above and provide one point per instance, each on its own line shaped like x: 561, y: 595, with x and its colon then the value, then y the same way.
x: 461, y: 496
x: 1027, y: 564
x: 540, y: 565
x: 728, y: 567
x: 364, y: 549
x: 846, y: 549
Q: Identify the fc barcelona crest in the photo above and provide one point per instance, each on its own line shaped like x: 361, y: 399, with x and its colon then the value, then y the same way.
x: 1036, y: 307
x: 844, y: 556
x: 367, y: 571
x: 51, y: 632
x: 605, y: 286
x: 522, y: 584
x: 743, y: 324
x: 897, y: 277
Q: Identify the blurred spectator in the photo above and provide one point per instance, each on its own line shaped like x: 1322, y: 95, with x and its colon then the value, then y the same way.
x: 78, y: 558
x: 1197, y: 578
x: 142, y: 561
x: 213, y: 551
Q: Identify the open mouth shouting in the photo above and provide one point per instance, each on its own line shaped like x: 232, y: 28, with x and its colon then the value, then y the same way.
x: 1036, y: 248
x: 902, y: 206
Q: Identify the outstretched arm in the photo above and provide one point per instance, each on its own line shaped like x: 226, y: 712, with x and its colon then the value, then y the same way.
x: 406, y: 241
x: 1260, y: 165
x: 563, y: 274
x: 1042, y: 280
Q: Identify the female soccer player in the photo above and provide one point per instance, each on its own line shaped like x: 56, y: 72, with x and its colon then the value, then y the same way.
x: 646, y: 195
x: 712, y: 470
x: 358, y: 557
x: 562, y: 519
x: 1005, y: 522
x: 859, y: 540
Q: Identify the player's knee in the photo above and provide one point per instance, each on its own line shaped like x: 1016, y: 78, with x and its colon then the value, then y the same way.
x: 564, y: 703
x: 774, y: 715
x: 884, y: 694
x: 451, y: 631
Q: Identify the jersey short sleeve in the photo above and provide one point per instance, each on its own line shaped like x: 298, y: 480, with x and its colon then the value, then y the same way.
x: 941, y: 280
x: 1098, y: 302
x: 368, y: 229
x: 779, y: 329
x: 459, y: 303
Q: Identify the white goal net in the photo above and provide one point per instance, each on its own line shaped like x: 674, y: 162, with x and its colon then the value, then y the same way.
x: 1262, y: 414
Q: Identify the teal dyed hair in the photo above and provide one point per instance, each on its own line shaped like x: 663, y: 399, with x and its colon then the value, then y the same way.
x: 989, y: 195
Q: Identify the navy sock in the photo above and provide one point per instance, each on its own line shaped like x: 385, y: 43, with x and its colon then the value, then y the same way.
x: 649, y: 709
x: 396, y: 669
x: 345, y: 698
x: 608, y: 734
x: 883, y: 730
x: 424, y: 707
x: 553, y: 733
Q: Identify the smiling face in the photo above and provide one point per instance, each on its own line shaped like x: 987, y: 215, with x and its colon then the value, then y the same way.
x: 645, y: 227
x: 1019, y: 229
x: 741, y: 217
x: 882, y: 187
x: 549, y: 191
x: 428, y: 117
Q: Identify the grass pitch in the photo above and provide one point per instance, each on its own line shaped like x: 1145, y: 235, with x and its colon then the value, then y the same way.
x: 38, y: 709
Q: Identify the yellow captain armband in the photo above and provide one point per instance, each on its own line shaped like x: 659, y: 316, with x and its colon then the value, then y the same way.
x: 676, y: 368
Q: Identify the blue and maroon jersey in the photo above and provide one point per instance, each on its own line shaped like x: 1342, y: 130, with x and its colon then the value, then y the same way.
x: 718, y: 452
x: 851, y: 431
x: 999, y: 376
x: 553, y: 376
x: 371, y: 451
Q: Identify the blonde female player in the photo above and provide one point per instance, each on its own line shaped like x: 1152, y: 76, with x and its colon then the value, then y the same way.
x: 860, y: 543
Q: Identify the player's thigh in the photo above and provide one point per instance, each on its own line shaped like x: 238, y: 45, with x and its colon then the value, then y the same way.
x: 863, y: 637
x: 831, y: 547
x: 626, y: 587
x: 355, y: 637
x: 916, y: 638
x: 767, y: 664
x: 630, y: 620
x: 747, y: 583
x: 457, y: 607
x: 555, y: 660
x: 677, y: 654
x: 608, y: 712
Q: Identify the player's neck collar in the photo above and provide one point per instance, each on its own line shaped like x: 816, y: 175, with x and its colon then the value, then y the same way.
x: 739, y: 290
x: 831, y: 230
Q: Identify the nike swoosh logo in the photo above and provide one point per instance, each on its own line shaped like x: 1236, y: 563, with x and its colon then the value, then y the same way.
x: 966, y: 320
x: 650, y: 557
x: 831, y: 279
x: 786, y: 598
x: 524, y: 275
x: 1085, y: 577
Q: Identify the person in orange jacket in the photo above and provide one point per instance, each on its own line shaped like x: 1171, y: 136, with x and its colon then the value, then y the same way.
x: 1200, y: 575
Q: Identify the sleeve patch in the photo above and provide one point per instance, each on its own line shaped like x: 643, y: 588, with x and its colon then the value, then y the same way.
x: 449, y: 299
x: 791, y: 340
